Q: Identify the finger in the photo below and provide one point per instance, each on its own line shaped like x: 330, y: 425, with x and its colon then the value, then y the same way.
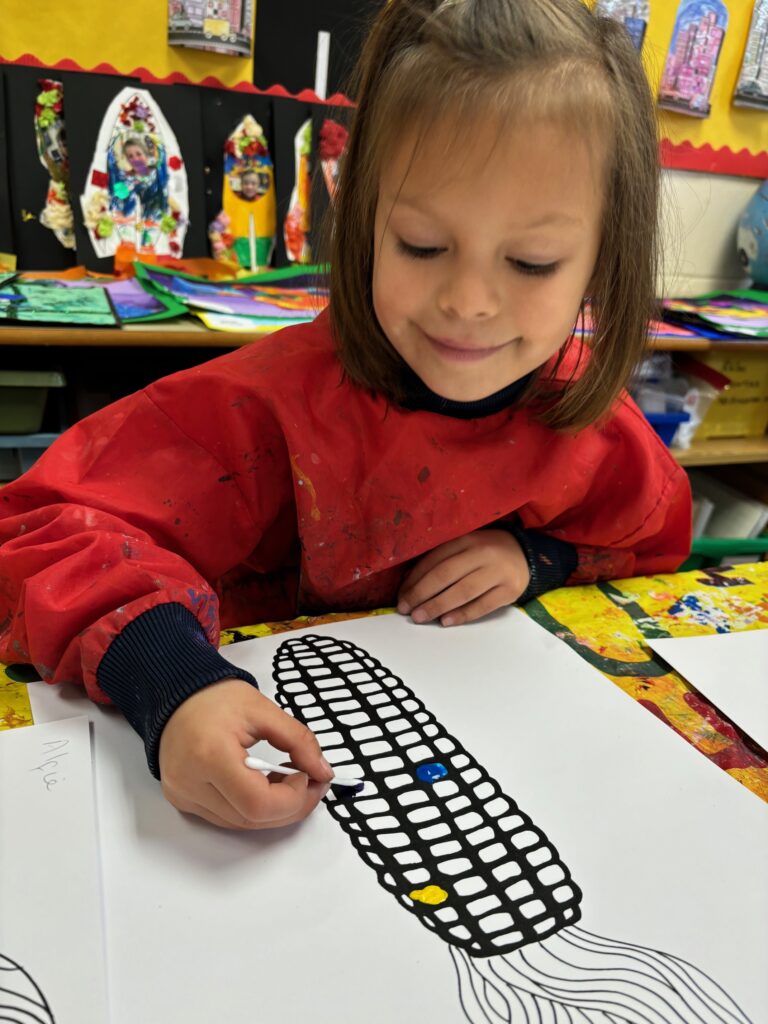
x: 490, y: 601
x: 424, y: 566
x: 452, y: 572
x: 468, y: 588
x: 258, y: 801
x: 295, y: 739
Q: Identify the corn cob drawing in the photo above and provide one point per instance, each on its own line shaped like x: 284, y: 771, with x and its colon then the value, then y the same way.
x: 21, y: 1001
x: 463, y: 858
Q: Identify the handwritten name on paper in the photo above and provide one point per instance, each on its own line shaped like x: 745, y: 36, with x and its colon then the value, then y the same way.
x: 53, y: 752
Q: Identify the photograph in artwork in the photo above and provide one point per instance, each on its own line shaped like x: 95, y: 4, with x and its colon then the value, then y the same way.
x: 244, y: 230
x: 474, y: 868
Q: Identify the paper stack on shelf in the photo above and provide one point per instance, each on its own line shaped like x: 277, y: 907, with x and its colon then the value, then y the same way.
x: 733, y: 514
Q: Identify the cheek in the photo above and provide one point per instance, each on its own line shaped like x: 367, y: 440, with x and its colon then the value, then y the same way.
x: 394, y: 293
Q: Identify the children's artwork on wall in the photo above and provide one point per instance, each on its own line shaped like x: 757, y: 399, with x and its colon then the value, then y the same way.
x: 298, y: 219
x: 329, y: 138
x: 244, y: 230
x: 22, y: 999
x: 51, y: 136
x: 293, y: 165
x: 137, y: 168
x: 331, y: 144
x: 36, y: 181
x: 136, y: 193
x: 220, y: 26
x: 692, y: 57
x: 752, y: 86
x: 633, y: 14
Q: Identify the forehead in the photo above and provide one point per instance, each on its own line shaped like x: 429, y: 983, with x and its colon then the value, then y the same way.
x: 526, y: 169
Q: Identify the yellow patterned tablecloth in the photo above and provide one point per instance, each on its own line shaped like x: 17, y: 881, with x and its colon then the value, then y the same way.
x: 608, y: 624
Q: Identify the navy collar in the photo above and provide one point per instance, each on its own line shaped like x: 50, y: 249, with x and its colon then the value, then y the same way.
x: 418, y: 397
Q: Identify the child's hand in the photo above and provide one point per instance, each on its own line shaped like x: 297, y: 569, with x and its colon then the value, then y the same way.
x: 465, y: 579
x: 202, y: 754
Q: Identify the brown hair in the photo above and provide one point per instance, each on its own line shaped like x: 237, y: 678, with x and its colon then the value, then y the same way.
x: 555, y: 59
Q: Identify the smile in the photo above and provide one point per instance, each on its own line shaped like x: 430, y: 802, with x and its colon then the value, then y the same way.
x: 460, y: 351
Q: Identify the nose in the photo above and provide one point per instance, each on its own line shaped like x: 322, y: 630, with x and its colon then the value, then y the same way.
x: 467, y: 294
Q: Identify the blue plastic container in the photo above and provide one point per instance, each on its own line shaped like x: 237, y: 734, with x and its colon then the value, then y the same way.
x: 666, y: 423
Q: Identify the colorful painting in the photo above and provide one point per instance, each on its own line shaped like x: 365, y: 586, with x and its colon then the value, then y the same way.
x: 275, y: 301
x: 297, y: 221
x: 220, y: 26
x: 51, y: 138
x: 634, y: 15
x: 244, y: 231
x: 691, y: 64
x: 47, y: 302
x: 136, y: 191
x: 752, y: 86
x: 741, y: 314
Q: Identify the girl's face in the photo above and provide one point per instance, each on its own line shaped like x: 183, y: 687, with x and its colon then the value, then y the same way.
x: 136, y: 156
x: 482, y: 257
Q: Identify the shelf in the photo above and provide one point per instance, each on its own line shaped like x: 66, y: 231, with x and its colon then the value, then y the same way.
x: 708, y: 345
x: 184, y: 333
x: 723, y: 451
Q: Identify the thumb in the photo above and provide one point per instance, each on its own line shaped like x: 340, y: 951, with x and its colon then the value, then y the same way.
x: 299, y: 742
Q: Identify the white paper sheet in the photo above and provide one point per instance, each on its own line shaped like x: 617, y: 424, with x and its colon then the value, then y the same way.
x: 730, y: 670
x: 50, y: 889
x: 203, y: 924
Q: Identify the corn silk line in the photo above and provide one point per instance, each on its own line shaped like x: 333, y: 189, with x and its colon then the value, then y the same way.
x: 21, y: 1001
x: 469, y: 864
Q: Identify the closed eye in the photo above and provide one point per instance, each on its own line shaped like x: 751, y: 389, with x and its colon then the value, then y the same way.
x: 534, y: 269
x: 418, y: 252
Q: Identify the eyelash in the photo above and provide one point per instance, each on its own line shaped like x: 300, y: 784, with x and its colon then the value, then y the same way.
x: 427, y: 253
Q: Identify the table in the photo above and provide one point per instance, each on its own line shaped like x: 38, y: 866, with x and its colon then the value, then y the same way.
x: 607, y: 624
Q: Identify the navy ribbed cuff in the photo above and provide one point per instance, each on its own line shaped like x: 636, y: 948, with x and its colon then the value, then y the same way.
x: 162, y: 657
x: 550, y: 561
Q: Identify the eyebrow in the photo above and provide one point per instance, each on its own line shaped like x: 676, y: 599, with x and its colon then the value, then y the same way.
x: 555, y: 218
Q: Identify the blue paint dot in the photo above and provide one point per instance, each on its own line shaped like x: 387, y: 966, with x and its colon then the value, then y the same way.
x: 431, y: 773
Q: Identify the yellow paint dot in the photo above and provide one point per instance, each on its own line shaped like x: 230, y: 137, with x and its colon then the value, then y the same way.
x: 432, y: 895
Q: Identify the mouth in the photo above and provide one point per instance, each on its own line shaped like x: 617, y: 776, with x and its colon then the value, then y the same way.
x: 463, y: 351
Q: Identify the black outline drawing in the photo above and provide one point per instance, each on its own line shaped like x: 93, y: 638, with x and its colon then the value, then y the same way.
x: 21, y: 1001
x: 503, y: 900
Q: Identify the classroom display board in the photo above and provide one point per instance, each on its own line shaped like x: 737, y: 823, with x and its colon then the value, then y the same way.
x: 706, y: 63
x: 499, y: 864
x: 97, y: 163
x: 270, y: 161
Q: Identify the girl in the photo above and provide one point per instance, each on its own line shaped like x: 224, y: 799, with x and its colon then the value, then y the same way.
x: 440, y: 438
